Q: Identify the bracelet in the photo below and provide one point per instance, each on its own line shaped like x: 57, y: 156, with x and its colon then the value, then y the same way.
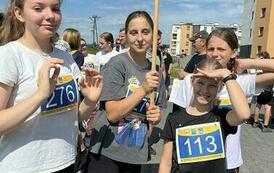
x: 232, y: 76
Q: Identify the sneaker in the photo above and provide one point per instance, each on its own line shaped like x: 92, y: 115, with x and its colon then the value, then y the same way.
x: 255, y: 124
x: 266, y: 129
x: 151, y: 150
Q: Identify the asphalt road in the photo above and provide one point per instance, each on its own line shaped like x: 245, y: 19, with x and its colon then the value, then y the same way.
x: 257, y: 149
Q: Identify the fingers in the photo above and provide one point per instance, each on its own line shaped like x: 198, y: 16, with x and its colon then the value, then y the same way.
x: 153, y: 114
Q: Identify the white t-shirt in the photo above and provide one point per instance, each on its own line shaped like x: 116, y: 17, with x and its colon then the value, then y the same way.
x: 101, y: 59
x: 182, y: 95
x: 46, y: 141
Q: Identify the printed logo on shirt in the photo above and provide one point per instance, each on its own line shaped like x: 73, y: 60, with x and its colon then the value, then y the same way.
x: 199, y: 143
x: 63, y: 98
x: 132, y: 129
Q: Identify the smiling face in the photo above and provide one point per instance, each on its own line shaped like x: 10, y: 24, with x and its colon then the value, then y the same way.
x: 204, y: 90
x: 139, y: 35
x: 220, y: 50
x: 40, y: 17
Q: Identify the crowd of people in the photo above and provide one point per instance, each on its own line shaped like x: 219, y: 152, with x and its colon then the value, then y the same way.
x: 63, y: 110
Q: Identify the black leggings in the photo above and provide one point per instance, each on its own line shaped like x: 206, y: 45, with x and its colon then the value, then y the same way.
x: 102, y: 164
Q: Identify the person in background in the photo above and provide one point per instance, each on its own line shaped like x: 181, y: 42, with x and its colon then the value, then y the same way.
x: 122, y: 46
x: 106, y: 52
x: 39, y: 105
x: 73, y: 38
x: 119, y: 138
x: 264, y: 98
x: 199, y: 44
x: 89, y: 58
x: 168, y: 67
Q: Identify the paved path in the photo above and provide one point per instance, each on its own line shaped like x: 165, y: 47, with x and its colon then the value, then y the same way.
x: 257, y: 150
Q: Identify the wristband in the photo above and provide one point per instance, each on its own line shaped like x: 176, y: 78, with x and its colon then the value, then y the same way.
x: 232, y: 76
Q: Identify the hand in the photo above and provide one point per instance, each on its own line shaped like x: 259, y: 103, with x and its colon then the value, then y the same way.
x: 214, y: 74
x: 153, y: 114
x: 46, y: 82
x: 91, y: 84
x: 182, y: 73
x: 151, y: 82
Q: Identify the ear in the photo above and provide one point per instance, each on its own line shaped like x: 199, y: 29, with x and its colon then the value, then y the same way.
x: 235, y: 53
x: 18, y: 14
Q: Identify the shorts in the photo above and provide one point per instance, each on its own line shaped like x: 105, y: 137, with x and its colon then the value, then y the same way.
x: 265, y: 97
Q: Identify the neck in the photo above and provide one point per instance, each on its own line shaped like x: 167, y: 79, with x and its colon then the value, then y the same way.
x: 202, y: 52
x: 41, y: 46
x: 139, y: 59
x: 198, y: 109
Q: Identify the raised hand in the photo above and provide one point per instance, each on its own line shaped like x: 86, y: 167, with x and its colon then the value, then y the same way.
x: 214, y: 74
x: 91, y: 84
x: 151, y: 81
x: 47, y: 77
x: 153, y: 114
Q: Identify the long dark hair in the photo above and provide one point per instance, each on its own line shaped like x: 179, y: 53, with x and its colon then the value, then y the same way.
x: 135, y: 14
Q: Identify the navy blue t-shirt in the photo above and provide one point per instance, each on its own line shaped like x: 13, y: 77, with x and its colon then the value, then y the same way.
x: 193, y: 62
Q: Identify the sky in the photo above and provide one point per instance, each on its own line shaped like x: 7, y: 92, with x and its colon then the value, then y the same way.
x: 76, y: 14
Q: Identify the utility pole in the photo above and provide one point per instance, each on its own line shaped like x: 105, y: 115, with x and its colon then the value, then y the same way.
x: 94, y: 20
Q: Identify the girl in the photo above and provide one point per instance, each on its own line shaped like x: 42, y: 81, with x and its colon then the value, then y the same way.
x: 73, y: 38
x: 119, y: 138
x: 194, y: 137
x: 222, y: 45
x: 106, y: 45
x: 39, y: 94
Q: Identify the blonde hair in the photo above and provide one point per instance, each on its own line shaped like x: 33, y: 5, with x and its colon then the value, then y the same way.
x: 208, y: 64
x: 11, y: 28
x: 72, y: 37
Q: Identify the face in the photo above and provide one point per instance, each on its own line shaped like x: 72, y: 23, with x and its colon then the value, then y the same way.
x: 198, y: 44
x: 122, y: 37
x: 104, y: 45
x: 205, y: 90
x: 41, y: 17
x: 220, y: 50
x: 139, y: 35
x: 83, y: 47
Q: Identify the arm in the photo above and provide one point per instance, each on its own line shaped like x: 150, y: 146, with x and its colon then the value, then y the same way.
x: 163, y: 68
x: 170, y: 68
x: 166, y: 157
x: 182, y: 74
x: 11, y: 117
x: 240, y: 111
x: 118, y: 109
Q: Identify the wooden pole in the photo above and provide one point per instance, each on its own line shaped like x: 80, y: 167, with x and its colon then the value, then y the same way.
x: 154, y: 45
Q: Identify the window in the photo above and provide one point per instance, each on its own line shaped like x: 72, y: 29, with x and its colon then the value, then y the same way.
x: 252, y: 15
x: 186, y: 51
x: 188, y: 28
x: 259, y: 50
x: 187, y: 43
x: 174, y: 36
x: 261, y: 31
x: 187, y: 35
x: 263, y: 12
x: 250, y: 33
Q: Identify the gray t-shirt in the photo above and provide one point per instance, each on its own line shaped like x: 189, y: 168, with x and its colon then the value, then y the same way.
x: 126, y: 140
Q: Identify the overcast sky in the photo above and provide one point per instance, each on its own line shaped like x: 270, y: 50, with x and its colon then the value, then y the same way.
x: 113, y: 13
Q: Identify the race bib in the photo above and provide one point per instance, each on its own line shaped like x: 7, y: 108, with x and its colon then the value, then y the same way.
x: 63, y: 98
x: 199, y: 143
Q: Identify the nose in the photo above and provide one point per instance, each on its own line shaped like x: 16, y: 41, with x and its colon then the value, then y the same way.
x: 140, y: 37
x: 49, y: 14
x: 214, y: 53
